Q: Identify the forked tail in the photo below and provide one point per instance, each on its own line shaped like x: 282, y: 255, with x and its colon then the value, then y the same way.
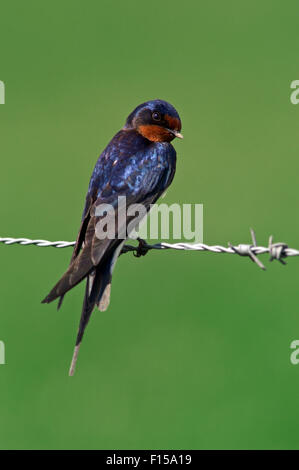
x: 97, y: 292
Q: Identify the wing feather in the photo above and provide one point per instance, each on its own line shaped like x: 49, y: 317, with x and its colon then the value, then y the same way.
x: 142, y: 178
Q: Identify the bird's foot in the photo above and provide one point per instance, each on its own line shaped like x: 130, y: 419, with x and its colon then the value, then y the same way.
x: 142, y: 248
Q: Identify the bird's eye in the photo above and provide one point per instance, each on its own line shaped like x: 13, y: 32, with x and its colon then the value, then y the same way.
x: 156, y: 116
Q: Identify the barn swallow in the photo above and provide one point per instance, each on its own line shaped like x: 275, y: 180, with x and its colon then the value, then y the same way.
x: 139, y: 163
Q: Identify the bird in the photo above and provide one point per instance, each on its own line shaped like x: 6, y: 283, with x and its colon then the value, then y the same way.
x: 139, y: 164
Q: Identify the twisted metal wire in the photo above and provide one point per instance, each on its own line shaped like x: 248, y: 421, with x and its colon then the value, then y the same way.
x: 277, y: 251
x: 28, y: 241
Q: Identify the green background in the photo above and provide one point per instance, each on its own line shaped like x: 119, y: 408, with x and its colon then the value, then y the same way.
x: 194, y: 351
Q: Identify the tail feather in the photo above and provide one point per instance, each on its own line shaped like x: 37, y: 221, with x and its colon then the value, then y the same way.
x: 97, y: 290
x: 90, y: 298
x: 104, y: 297
x: 60, y: 301
x: 88, y: 306
x: 96, y: 293
x: 104, y: 300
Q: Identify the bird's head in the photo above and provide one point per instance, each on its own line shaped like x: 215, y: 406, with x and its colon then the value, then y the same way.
x: 156, y: 120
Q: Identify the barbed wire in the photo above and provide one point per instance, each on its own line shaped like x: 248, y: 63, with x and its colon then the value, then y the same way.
x: 278, y: 251
x: 28, y: 241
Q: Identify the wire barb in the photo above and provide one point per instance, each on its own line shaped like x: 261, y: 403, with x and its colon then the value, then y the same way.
x: 246, y: 250
x: 277, y: 250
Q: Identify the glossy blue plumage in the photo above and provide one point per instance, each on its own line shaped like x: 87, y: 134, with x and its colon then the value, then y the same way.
x: 132, y: 166
x: 138, y: 163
